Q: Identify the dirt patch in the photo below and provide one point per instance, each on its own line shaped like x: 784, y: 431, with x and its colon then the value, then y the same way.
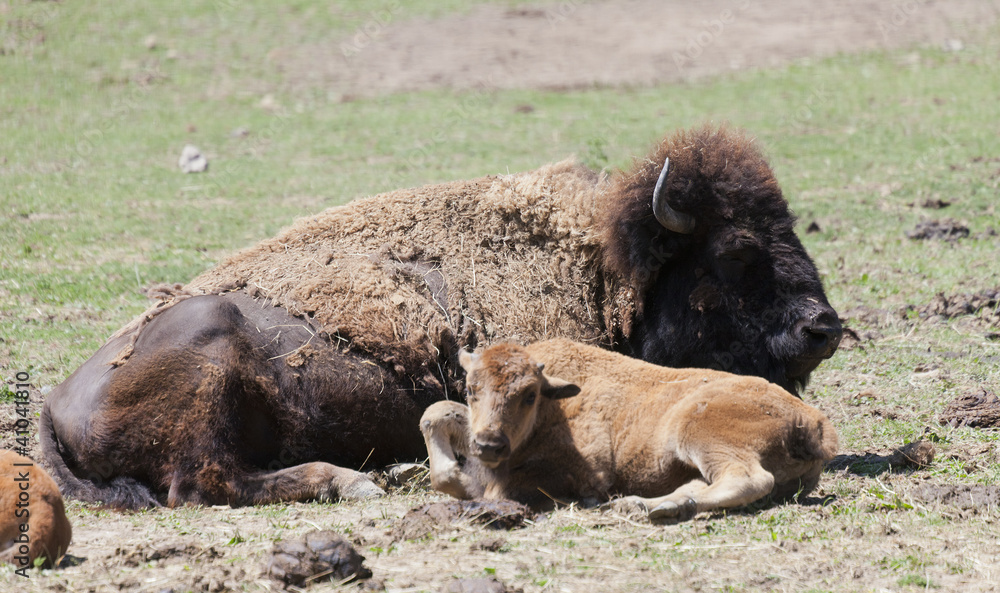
x: 578, y: 44
x: 985, y: 304
x: 432, y: 517
x: 852, y: 541
x: 139, y: 555
x: 478, y: 586
x: 978, y: 409
x: 964, y: 496
x: 935, y: 204
x: 975, y: 457
x: 947, y: 229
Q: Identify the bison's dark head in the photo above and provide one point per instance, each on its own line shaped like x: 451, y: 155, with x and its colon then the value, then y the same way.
x: 719, y: 278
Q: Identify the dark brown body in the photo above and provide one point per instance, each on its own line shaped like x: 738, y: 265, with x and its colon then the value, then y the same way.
x: 207, y: 410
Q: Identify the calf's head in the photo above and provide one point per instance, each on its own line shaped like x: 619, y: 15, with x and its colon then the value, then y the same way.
x: 702, y: 234
x: 505, y: 388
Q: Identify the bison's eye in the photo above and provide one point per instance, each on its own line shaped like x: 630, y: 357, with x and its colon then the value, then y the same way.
x: 731, y: 269
x: 733, y: 264
x: 529, y: 398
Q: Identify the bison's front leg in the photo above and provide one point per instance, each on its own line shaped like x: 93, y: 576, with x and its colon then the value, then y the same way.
x: 445, y: 426
x: 309, y: 481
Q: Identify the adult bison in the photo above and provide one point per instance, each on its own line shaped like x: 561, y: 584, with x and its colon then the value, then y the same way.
x: 266, y: 376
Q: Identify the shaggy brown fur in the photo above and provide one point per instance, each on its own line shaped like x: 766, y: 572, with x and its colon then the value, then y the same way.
x: 596, y: 424
x: 33, y: 522
x: 397, y: 276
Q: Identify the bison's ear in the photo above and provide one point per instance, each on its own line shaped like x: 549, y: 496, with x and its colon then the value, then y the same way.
x: 556, y: 388
x: 468, y: 360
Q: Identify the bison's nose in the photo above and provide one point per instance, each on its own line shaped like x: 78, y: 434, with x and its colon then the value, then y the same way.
x: 822, y: 333
x: 491, y: 448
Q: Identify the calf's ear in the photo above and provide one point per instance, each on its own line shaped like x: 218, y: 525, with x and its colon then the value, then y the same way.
x: 556, y: 388
x: 467, y: 360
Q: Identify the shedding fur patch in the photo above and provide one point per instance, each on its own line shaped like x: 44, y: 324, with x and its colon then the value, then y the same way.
x: 408, y: 275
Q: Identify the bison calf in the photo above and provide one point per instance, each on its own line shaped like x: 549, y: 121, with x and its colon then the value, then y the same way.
x: 33, y: 522
x: 597, y: 424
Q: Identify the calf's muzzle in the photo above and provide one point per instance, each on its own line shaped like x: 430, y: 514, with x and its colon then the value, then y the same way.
x: 491, y: 447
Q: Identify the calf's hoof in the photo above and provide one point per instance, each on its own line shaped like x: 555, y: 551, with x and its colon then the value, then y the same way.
x: 359, y: 489
x: 671, y: 510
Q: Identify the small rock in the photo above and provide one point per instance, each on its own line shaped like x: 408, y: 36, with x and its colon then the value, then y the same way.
x: 812, y: 228
x: 954, y: 45
x: 915, y: 455
x: 865, y: 394
x: 269, y: 103
x: 172, y: 54
x: 150, y: 42
x: 192, y: 161
x: 401, y: 473
x: 316, y: 556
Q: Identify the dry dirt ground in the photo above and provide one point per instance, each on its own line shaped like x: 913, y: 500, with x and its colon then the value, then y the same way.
x: 576, y: 44
x: 831, y: 542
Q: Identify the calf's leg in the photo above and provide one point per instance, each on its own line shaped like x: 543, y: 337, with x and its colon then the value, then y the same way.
x: 734, y: 483
x: 445, y: 426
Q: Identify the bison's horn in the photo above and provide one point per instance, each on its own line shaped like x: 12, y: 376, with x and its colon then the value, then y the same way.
x: 671, y: 219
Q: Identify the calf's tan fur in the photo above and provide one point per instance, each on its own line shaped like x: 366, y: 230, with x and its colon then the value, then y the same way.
x: 596, y: 424
x: 33, y: 521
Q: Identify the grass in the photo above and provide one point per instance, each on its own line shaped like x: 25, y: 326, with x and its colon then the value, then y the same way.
x: 93, y: 209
